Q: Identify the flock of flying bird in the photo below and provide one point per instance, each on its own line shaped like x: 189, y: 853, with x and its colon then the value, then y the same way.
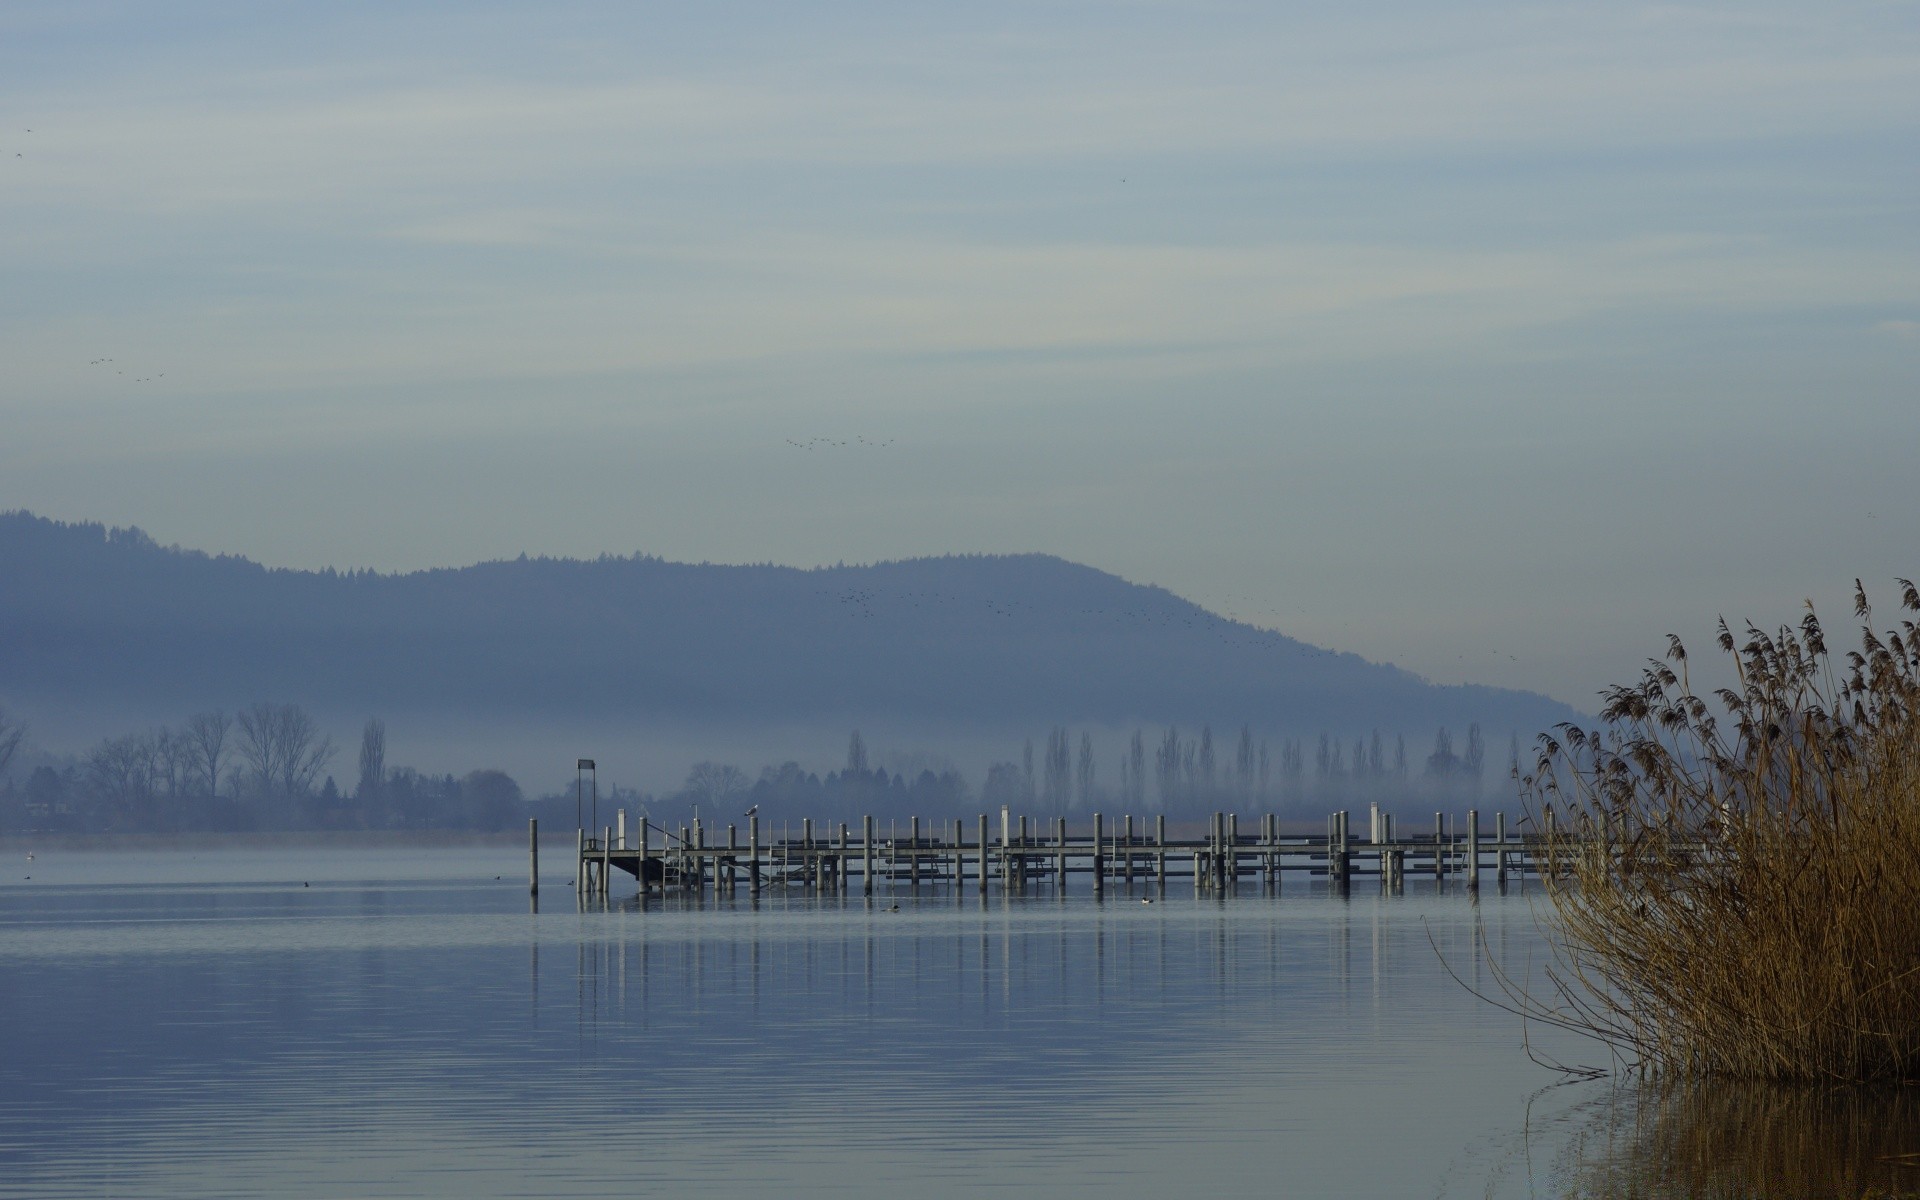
x: 820, y: 442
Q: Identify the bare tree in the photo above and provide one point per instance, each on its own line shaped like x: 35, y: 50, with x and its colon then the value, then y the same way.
x: 1443, y: 762
x: 373, y: 760
x: 1243, y: 764
x: 120, y: 775
x: 173, y: 760
x: 1083, y: 790
x: 1059, y: 765
x: 1137, y: 771
x: 856, y: 754
x: 206, y: 737
x: 11, y: 731
x: 284, y: 747
x: 719, y: 784
x: 1166, y: 767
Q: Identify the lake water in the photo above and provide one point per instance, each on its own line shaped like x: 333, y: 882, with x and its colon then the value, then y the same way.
x: 402, y: 1023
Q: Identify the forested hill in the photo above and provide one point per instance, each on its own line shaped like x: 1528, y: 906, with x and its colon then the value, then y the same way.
x: 89, y: 614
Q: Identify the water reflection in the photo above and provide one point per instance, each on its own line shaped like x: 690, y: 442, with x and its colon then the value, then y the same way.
x: 1728, y: 1141
x: 430, y: 1035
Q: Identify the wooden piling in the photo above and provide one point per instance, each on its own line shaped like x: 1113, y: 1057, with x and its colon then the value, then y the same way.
x: 1160, y: 839
x: 866, y: 855
x: 1099, y: 867
x: 533, y: 856
x: 1060, y: 842
x: 1439, y: 846
x: 753, y: 854
x: 983, y: 856
x: 1473, y: 849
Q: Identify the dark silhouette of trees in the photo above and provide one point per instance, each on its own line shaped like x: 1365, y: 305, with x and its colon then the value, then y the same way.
x: 284, y: 747
x: 1006, y: 785
x: 11, y: 731
x: 1134, y: 774
x: 1166, y: 769
x: 1443, y: 764
x: 207, y: 735
x: 720, y: 785
x: 492, y: 800
x: 120, y: 776
x: 373, y: 761
x: 1083, y: 775
x: 1059, y: 768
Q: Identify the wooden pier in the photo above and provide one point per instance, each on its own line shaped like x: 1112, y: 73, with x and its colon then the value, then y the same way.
x: 1025, y: 854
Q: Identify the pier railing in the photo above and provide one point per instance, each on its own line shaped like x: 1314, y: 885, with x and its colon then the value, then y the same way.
x: 1026, y: 853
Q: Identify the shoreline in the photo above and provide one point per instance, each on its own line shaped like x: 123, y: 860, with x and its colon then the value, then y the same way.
x: 314, y: 839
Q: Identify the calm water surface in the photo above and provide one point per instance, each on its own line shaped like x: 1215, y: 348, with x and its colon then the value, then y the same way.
x: 401, y: 1023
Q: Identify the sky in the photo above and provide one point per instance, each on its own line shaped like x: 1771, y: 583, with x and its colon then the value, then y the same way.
x: 1496, y: 340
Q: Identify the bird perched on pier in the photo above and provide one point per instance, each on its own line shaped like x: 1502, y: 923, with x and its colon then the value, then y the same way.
x: 751, y: 811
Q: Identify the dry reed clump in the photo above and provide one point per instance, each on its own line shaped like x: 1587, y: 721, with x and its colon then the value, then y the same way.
x: 1739, y: 895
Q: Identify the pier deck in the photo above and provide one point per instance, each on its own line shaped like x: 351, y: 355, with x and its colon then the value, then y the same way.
x: 1023, y: 855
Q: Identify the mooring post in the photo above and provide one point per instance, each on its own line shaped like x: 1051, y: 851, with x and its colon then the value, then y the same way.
x: 866, y: 855
x: 1473, y: 849
x: 1099, y: 866
x: 533, y: 856
x: 1439, y: 846
x: 1020, y: 861
x: 808, y: 876
x: 959, y: 856
x: 580, y: 862
x: 1160, y: 840
x: 1500, y: 840
x: 913, y: 853
x: 983, y: 856
x: 1346, y: 851
x: 1060, y: 857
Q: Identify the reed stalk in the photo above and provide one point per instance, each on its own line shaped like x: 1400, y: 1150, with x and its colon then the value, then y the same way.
x: 1734, y: 882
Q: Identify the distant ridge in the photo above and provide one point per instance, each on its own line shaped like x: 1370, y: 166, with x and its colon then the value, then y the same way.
x: 90, y: 614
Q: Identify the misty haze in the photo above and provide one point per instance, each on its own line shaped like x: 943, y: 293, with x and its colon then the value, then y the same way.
x: 1087, y: 600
